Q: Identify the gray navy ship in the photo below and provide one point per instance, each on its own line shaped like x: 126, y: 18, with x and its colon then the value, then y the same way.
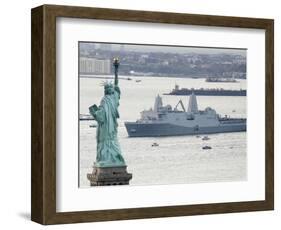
x: 166, y: 121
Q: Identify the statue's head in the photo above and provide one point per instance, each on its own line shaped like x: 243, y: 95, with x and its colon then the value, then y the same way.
x: 108, y: 88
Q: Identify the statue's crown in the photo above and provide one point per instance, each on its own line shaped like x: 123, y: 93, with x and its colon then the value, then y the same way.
x: 107, y: 84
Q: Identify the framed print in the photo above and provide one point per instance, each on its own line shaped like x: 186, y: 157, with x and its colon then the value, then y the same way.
x: 148, y: 114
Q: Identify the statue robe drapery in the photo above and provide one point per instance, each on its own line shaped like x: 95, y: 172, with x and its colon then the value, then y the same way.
x: 108, y: 148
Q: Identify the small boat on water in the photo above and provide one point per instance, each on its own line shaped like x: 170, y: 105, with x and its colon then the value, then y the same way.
x: 205, y: 138
x: 206, y: 147
x: 138, y: 80
x: 154, y: 144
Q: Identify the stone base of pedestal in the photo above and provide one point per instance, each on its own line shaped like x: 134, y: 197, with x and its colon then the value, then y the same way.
x: 102, y: 176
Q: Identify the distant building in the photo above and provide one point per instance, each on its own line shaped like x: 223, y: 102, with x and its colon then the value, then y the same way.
x: 106, y: 46
x: 94, y: 66
x: 122, y: 48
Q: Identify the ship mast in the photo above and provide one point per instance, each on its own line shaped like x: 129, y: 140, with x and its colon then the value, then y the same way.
x: 158, y: 103
x: 192, y: 105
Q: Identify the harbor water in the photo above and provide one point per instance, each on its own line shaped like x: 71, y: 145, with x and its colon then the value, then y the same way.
x: 178, y: 159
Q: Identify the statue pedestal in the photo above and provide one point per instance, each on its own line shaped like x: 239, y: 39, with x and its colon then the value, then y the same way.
x: 102, y: 176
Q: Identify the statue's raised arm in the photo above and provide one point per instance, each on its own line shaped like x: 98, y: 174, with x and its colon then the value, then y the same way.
x: 116, y: 65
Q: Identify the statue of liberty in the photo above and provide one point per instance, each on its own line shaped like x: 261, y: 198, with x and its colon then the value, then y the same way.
x: 106, y: 114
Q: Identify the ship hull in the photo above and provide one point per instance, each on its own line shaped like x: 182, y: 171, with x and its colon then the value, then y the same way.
x: 136, y: 129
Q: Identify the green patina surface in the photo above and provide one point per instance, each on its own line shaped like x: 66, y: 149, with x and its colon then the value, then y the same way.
x: 106, y: 114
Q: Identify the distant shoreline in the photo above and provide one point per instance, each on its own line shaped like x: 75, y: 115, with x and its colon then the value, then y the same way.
x: 125, y: 77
